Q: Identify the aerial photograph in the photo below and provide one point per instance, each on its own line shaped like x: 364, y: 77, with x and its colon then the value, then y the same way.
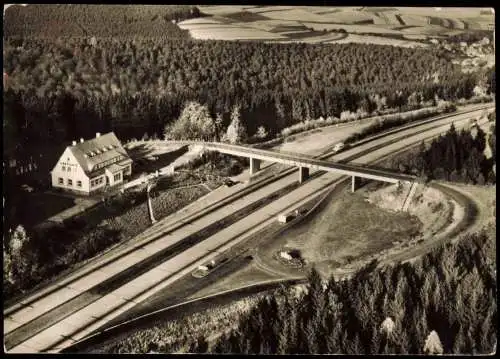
x: 249, y: 179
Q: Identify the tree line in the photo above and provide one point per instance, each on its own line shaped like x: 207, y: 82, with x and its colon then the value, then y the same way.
x: 444, y: 302
x: 459, y: 156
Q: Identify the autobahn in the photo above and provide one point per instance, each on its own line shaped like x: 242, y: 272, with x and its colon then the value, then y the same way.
x: 101, y: 305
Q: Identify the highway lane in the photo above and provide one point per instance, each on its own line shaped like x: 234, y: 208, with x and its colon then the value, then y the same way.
x: 170, y: 266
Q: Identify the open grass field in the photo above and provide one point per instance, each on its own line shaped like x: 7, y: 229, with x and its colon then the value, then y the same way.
x: 273, y: 23
x: 345, y: 229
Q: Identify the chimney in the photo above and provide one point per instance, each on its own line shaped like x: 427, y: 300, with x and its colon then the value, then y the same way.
x: 97, y: 134
x: 74, y: 143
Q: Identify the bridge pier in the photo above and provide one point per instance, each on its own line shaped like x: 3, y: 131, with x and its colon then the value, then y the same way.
x: 356, y: 181
x: 254, y: 165
x: 303, y: 174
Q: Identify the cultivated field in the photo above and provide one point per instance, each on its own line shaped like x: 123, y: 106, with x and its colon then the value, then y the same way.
x: 377, y: 40
x: 275, y: 23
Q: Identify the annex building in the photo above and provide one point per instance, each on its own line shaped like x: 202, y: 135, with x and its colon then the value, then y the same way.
x: 90, y: 166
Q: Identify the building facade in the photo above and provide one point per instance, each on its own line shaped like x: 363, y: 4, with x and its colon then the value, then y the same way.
x: 87, y: 167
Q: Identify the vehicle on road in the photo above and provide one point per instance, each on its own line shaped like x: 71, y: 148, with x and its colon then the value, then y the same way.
x: 339, y: 146
x: 205, y: 269
x: 229, y: 182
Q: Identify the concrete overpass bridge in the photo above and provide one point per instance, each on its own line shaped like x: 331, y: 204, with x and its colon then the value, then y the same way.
x: 304, y: 163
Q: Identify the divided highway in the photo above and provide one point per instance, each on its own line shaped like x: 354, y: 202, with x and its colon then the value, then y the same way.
x: 87, y: 300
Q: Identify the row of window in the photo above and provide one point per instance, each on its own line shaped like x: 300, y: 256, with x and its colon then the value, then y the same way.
x: 93, y: 183
x: 108, y: 162
x: 70, y: 182
x: 96, y: 181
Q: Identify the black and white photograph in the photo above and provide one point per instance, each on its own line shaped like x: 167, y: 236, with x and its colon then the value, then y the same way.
x: 249, y: 179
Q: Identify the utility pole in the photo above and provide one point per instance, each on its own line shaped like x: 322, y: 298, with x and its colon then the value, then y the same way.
x: 150, y: 205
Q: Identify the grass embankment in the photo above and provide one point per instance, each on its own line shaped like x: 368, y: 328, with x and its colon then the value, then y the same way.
x: 178, y: 335
x: 348, y: 229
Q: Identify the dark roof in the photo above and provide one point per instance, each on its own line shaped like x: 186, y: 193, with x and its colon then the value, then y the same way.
x: 98, y: 150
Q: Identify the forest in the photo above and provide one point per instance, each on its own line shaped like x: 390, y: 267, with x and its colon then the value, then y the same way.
x: 81, y: 20
x: 62, y: 89
x: 457, y: 156
x: 443, y: 303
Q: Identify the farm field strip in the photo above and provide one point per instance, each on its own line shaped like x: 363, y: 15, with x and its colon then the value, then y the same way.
x: 339, y: 154
x: 377, y: 40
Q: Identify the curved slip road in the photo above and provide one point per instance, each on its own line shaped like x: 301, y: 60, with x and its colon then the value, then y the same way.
x: 90, y: 317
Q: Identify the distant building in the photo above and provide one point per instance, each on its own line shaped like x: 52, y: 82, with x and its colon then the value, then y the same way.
x: 90, y: 166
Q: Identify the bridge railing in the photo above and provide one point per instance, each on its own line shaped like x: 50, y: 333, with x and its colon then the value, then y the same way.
x: 293, y: 157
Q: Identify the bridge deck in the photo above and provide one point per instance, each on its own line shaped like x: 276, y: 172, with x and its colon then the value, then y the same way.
x: 304, y: 161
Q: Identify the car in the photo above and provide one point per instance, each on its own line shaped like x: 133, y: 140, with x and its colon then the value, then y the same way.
x: 338, y: 147
x: 229, y: 182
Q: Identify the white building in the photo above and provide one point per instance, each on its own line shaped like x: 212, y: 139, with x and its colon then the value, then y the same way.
x: 90, y: 166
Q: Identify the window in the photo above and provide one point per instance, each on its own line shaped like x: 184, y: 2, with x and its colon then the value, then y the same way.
x: 70, y: 182
x: 117, y: 176
x: 61, y: 181
x: 64, y: 168
x: 78, y: 183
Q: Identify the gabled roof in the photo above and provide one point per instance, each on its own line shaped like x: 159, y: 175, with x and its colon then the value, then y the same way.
x: 97, y: 150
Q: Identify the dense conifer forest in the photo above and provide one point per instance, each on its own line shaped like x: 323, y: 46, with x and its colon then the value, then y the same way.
x: 80, y: 20
x: 62, y: 89
x: 445, y: 302
x: 457, y: 156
